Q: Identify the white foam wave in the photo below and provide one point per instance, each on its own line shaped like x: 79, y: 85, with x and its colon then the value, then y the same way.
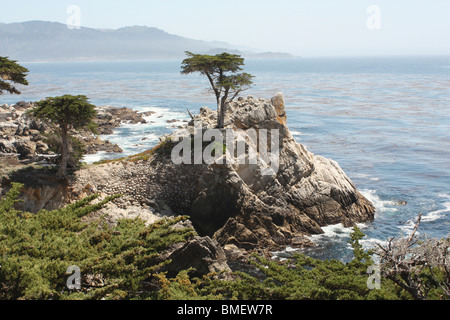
x: 408, y: 227
x: 299, y: 133
x: 134, y: 138
x: 381, y: 206
x: 437, y: 214
x: 91, y: 158
x: 365, y: 176
x: 371, y: 242
x: 335, y: 232
x: 166, y: 118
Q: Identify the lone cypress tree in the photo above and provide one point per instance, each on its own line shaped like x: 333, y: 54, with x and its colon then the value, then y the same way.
x: 67, y: 112
x: 221, y: 71
x: 11, y: 73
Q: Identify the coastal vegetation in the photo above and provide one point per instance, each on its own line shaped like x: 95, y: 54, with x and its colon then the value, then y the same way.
x: 126, y: 260
x: 36, y: 251
x: 121, y: 262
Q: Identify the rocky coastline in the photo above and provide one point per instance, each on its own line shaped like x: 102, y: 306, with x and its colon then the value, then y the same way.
x: 24, y: 137
x: 235, y: 209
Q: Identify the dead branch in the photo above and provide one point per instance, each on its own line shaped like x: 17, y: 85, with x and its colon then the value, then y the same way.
x: 404, y: 260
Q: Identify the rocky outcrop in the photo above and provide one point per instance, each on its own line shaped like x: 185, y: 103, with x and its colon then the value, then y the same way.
x: 108, y: 118
x: 42, y: 189
x: 20, y: 134
x: 50, y: 197
x: 240, y: 206
x: 24, y: 136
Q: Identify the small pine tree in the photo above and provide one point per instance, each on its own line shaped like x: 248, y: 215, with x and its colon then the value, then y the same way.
x: 221, y: 71
x: 66, y: 112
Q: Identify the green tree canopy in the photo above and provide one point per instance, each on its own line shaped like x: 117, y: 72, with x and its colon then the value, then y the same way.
x: 67, y: 112
x: 116, y: 262
x: 10, y: 74
x: 222, y: 73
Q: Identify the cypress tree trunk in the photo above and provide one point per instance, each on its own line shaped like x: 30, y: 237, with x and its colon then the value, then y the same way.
x: 62, y: 171
x: 220, y: 117
x: 221, y: 113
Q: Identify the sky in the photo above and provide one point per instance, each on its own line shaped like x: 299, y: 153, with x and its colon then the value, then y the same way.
x: 309, y: 28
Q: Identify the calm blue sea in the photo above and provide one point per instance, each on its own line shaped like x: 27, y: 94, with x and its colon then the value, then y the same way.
x: 386, y: 121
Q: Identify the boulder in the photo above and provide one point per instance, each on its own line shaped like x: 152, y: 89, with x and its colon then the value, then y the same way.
x: 201, y: 253
x: 279, y: 105
x: 25, y: 148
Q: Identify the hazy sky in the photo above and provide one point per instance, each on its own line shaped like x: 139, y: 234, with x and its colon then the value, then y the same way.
x: 306, y: 28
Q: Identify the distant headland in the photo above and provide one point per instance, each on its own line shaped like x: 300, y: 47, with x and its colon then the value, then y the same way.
x: 52, y: 41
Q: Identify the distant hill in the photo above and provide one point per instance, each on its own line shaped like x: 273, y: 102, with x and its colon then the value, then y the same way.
x: 49, y: 41
x: 253, y: 54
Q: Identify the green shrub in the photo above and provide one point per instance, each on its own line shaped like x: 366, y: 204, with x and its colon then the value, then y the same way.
x: 306, y: 278
x: 115, y: 262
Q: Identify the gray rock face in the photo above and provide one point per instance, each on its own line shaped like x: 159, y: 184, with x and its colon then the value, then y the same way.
x: 202, y: 253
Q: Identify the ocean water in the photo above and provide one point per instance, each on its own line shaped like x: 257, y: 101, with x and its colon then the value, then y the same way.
x: 386, y: 121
